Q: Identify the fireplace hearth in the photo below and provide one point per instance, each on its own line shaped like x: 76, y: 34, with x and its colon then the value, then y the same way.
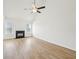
x: 20, y: 34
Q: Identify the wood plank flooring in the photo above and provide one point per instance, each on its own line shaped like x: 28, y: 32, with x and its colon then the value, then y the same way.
x: 32, y: 48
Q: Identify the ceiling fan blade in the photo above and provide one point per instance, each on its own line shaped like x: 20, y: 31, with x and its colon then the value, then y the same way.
x: 41, y: 7
x: 38, y: 11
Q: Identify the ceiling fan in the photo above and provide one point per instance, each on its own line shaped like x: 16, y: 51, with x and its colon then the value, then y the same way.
x: 35, y: 8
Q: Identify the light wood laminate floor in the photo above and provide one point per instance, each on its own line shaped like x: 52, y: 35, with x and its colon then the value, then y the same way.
x: 32, y: 48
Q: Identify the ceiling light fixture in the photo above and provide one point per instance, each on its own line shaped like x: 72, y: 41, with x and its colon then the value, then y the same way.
x: 35, y: 8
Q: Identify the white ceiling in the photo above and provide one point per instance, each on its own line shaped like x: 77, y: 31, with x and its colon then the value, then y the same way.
x: 15, y: 8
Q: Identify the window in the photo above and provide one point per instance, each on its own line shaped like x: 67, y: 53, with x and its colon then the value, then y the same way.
x: 8, y: 28
x: 29, y: 27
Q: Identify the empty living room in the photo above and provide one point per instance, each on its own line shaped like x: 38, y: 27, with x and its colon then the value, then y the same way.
x: 39, y: 29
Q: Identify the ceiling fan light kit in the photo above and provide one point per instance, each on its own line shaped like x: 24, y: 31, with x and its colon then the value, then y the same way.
x: 35, y: 8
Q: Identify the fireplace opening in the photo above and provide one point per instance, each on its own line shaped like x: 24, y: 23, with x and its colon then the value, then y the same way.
x: 20, y: 34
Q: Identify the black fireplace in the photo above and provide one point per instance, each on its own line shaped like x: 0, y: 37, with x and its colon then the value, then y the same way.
x: 20, y: 34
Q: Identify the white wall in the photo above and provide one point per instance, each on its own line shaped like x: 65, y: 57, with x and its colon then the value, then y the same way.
x: 17, y: 24
x: 15, y: 13
x: 56, y: 23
